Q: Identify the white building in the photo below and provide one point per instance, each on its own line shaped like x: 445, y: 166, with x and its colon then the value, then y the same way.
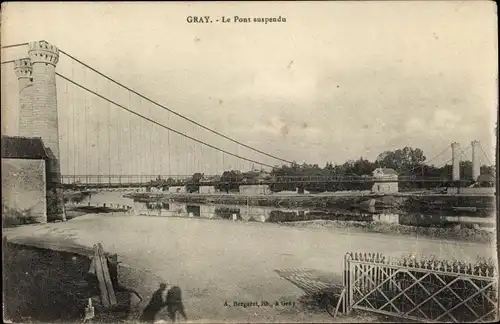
x: 386, y: 180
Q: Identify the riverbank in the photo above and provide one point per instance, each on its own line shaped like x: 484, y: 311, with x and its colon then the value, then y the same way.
x: 394, y: 203
x: 459, y: 233
x: 339, y: 200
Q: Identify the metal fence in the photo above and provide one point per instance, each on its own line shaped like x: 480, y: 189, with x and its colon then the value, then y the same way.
x: 422, y: 289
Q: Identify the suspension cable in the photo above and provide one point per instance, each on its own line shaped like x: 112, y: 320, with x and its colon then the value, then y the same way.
x: 169, y: 149
x: 14, y: 45
x: 487, y: 159
x: 98, y: 146
x: 130, y: 139
x: 161, y: 155
x: 109, y: 131
x: 118, y: 141
x: 151, y: 152
x: 426, y: 163
x: 12, y: 61
x: 67, y: 129
x: 463, y: 151
x: 172, y: 111
x: 157, y: 123
x: 86, y: 128
x: 141, y: 138
x: 457, y: 154
x: 74, y: 148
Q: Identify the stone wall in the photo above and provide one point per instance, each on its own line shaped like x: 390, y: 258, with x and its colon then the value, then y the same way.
x: 471, y: 191
x: 24, y: 191
x: 255, y: 189
x: 207, y: 189
x: 385, y: 187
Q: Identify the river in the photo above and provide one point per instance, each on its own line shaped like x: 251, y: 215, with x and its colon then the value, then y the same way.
x: 170, y: 208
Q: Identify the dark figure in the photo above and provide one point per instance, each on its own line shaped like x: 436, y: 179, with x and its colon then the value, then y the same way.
x: 113, y: 262
x: 155, y: 305
x: 174, y: 303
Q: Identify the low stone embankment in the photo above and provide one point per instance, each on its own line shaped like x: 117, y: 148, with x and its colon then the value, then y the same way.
x: 339, y: 201
x: 483, y: 205
x: 112, y: 206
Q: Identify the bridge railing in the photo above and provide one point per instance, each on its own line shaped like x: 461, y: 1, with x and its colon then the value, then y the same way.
x: 145, y: 179
x: 117, y: 179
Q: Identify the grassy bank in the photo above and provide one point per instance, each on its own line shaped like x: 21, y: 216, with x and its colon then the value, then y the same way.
x: 42, y: 285
x: 459, y: 234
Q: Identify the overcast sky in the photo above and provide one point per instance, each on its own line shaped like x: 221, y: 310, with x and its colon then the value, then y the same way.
x: 336, y: 81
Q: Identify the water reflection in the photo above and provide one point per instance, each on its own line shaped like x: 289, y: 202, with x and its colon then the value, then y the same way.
x: 276, y: 215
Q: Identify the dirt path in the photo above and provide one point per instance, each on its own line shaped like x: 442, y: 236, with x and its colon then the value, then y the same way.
x: 215, y: 261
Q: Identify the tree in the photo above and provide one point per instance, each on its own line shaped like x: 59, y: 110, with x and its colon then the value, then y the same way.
x: 465, y: 169
x: 362, y: 167
x: 401, y: 160
x: 487, y: 169
x: 197, y: 177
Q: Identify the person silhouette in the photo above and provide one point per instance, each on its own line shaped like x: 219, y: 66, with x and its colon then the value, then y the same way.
x: 155, y: 305
x: 174, y: 303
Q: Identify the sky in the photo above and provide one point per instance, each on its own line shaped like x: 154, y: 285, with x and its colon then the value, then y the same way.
x: 336, y: 81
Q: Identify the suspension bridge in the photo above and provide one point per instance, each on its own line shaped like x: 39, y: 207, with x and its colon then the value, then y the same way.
x: 102, y: 133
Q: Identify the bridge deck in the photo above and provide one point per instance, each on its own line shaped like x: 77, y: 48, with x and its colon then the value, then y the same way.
x: 141, y: 181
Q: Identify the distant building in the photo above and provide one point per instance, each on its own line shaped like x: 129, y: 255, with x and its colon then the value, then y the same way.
x: 177, y: 189
x: 386, y: 180
x: 24, y: 180
x: 209, y: 179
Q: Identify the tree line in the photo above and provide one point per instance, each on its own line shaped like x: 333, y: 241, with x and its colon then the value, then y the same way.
x: 406, y: 162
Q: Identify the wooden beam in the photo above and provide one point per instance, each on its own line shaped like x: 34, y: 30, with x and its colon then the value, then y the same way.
x: 96, y: 262
x: 99, y: 267
x: 107, y: 279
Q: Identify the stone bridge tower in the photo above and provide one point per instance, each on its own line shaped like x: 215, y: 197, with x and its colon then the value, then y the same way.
x: 38, y: 115
x: 23, y: 71
x: 476, y: 165
x: 456, y: 159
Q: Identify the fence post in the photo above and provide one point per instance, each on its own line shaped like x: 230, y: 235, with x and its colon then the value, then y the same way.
x: 347, y: 285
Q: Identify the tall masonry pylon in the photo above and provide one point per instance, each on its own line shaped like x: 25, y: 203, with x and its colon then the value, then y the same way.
x: 455, y: 147
x: 476, y: 166
x: 44, y: 58
x: 25, y: 80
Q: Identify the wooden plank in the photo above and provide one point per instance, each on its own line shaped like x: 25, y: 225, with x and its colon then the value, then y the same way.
x: 100, y: 278
x: 107, y: 279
